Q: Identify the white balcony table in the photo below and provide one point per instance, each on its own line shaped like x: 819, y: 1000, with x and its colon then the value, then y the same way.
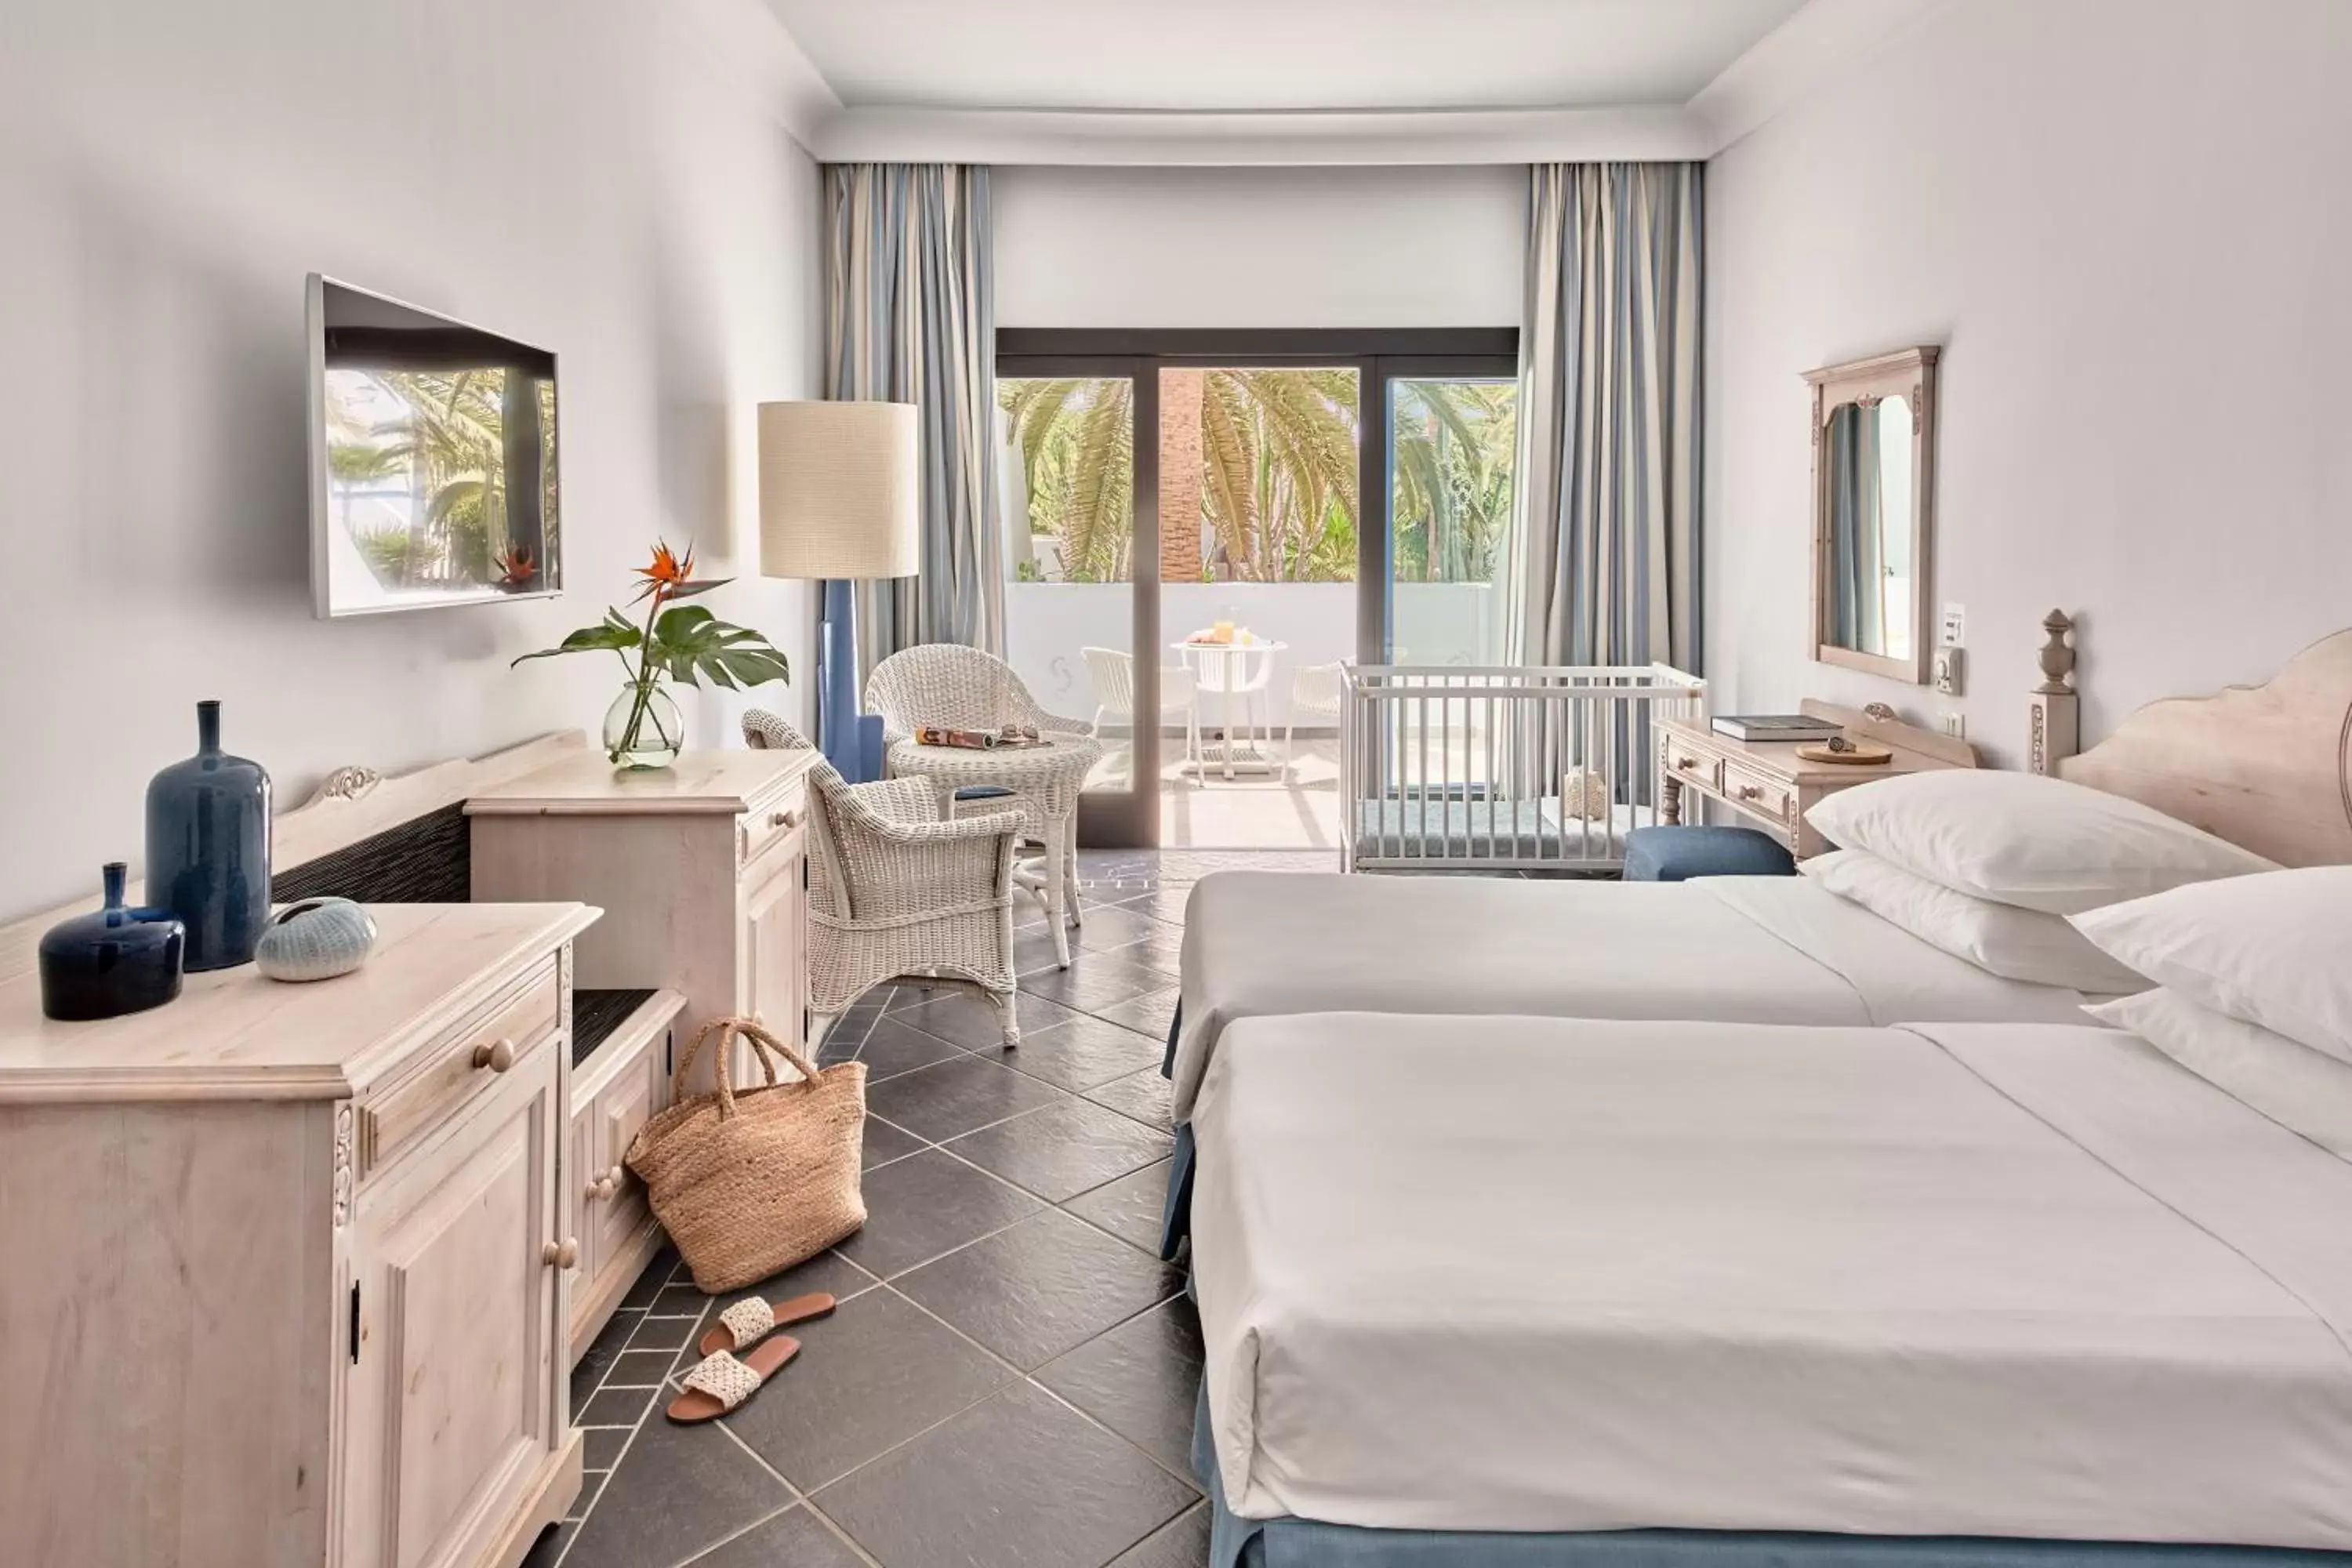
x: 1044, y: 780
x: 1234, y: 673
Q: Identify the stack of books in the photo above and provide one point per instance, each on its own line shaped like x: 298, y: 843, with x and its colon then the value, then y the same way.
x: 1777, y: 727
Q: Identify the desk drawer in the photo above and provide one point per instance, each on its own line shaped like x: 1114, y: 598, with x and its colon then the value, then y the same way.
x: 1692, y: 765
x: 770, y: 823
x: 1756, y: 793
x: 463, y: 1063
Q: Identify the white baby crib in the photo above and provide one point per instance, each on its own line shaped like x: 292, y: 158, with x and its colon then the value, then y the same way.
x: 1478, y: 769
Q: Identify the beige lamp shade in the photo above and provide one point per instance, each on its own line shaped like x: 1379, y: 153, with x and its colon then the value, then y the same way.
x: 840, y: 490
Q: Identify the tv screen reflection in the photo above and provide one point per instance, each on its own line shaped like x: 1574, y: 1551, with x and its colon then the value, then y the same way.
x: 440, y: 454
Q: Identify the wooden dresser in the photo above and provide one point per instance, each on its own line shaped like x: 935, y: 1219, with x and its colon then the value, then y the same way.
x: 287, y: 1270
x: 1770, y: 787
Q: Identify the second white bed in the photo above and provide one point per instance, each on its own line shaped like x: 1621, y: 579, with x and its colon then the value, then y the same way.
x: 2003, y: 1280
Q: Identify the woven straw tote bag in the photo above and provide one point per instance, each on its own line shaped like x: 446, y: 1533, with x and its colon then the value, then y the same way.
x: 748, y: 1185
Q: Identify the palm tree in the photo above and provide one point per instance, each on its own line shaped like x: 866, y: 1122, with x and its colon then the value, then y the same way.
x: 1456, y: 444
x: 1277, y: 486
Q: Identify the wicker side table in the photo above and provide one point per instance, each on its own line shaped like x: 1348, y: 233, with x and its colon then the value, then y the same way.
x: 1044, y: 780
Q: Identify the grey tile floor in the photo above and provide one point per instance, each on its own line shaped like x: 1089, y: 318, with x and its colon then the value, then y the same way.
x: 1009, y: 1380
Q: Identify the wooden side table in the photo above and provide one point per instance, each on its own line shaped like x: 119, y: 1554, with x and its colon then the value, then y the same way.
x: 699, y: 869
x: 1768, y: 785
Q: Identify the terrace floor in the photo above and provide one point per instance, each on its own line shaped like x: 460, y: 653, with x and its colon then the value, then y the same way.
x: 1297, y: 808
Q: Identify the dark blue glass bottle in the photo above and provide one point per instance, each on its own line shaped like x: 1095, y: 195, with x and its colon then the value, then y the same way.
x: 208, y: 848
x: 111, y: 961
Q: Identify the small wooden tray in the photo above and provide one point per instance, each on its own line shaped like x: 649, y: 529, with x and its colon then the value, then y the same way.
x: 1865, y: 755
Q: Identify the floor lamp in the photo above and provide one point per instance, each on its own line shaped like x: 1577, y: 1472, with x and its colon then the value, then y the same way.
x: 840, y: 490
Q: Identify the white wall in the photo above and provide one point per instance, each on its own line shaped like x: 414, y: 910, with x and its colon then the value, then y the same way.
x: 2129, y: 221
x: 1259, y: 247
x: 604, y: 177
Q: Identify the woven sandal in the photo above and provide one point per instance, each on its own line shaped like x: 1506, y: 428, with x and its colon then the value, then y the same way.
x: 751, y: 1320
x: 719, y: 1384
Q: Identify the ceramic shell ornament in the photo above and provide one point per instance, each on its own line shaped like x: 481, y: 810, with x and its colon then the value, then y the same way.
x: 316, y: 939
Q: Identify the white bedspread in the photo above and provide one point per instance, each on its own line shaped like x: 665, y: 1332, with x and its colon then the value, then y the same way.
x: 2023, y: 1281
x: 1760, y: 950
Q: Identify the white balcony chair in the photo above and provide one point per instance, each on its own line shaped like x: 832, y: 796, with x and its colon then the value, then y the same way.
x: 894, y: 893
x: 1316, y: 691
x: 1113, y: 673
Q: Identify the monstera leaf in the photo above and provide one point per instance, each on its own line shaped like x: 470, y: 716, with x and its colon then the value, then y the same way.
x: 691, y: 645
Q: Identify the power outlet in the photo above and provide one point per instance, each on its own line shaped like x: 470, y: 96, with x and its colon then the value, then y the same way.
x: 1954, y: 633
x: 1956, y: 725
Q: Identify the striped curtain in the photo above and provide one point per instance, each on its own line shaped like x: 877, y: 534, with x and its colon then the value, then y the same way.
x: 1604, y: 560
x: 910, y: 316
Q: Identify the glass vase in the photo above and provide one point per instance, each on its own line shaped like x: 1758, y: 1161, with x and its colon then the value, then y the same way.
x: 642, y: 728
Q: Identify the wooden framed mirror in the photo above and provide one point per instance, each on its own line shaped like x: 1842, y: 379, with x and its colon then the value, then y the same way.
x: 1874, y: 513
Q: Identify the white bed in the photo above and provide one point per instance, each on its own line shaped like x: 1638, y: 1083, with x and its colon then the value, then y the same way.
x: 2268, y: 768
x: 1761, y: 950
x: 2015, y: 1280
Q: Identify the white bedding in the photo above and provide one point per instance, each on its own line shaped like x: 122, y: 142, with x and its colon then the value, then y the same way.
x: 1761, y: 950
x: 2017, y: 1280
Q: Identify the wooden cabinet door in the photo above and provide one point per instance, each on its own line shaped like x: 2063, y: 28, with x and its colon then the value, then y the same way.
x: 454, y: 1399
x: 776, y: 944
x: 622, y: 1107
x: 582, y: 1165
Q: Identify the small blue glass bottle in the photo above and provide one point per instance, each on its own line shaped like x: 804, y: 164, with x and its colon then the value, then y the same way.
x: 208, y: 848
x: 110, y: 962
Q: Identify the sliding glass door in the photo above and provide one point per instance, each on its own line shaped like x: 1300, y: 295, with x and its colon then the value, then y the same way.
x: 1452, y: 466
x: 1202, y: 527
x: 1081, y: 568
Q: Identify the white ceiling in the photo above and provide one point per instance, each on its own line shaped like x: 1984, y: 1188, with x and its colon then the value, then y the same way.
x: 1209, y: 56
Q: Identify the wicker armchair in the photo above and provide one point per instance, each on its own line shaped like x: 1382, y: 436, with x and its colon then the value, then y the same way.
x: 895, y: 893
x: 960, y: 687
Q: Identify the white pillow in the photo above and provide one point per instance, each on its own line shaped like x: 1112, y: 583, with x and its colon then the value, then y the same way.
x: 2018, y: 944
x: 2020, y: 838
x: 2273, y: 950
x: 2301, y: 1090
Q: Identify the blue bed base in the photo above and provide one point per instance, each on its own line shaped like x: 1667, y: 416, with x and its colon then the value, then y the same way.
x: 1237, y: 1542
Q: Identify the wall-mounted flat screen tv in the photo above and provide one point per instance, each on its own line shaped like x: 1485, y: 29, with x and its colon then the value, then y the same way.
x: 433, y: 459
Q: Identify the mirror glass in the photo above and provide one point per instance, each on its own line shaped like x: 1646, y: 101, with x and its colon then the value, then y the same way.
x: 1872, y: 579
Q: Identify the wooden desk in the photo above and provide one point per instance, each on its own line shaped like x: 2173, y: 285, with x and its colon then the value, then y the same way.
x: 1771, y: 787
x: 699, y: 868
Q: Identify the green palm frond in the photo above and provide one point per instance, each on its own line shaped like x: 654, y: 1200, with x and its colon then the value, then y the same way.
x: 1099, y: 509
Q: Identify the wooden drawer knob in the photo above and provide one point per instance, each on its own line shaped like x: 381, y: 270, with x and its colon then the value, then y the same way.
x: 784, y: 819
x: 1686, y: 764
x: 602, y: 1189
x: 1752, y: 792
x: 564, y: 1254
x: 497, y: 1056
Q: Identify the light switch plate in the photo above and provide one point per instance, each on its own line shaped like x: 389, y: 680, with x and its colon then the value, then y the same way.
x: 1956, y: 725
x: 1956, y: 626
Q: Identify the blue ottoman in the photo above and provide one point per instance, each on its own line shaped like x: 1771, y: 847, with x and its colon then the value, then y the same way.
x: 1678, y: 854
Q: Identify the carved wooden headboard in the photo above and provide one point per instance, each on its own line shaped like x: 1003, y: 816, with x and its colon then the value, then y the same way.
x: 2268, y: 767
